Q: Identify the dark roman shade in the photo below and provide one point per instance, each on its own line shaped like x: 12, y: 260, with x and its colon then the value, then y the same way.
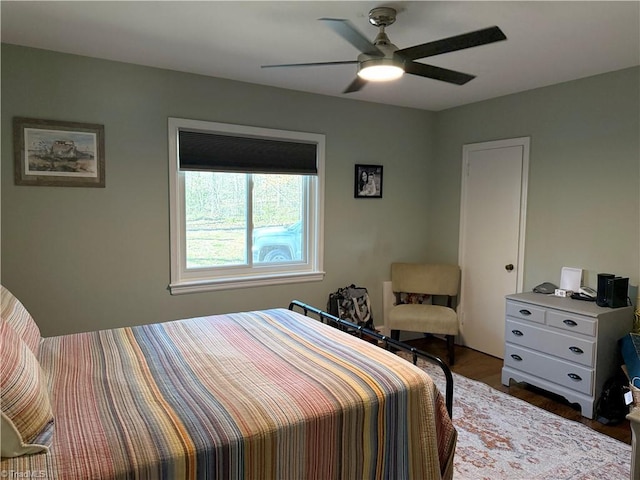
x: 227, y: 153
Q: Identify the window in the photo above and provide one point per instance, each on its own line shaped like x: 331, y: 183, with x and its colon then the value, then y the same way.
x: 246, y: 206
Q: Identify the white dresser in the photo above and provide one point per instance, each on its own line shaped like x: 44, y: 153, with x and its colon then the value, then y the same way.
x: 568, y: 347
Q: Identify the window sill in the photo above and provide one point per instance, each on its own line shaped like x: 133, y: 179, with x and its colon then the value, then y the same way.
x: 227, y: 283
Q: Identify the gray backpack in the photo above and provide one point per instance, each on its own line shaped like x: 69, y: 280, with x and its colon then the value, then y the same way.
x: 352, y: 304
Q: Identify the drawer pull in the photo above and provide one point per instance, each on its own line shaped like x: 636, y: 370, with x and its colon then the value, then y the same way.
x: 574, y: 376
x: 576, y: 350
x: 569, y: 323
x: 516, y: 357
x: 525, y: 312
x: 517, y: 333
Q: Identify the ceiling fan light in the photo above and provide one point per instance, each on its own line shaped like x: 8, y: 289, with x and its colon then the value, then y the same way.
x: 381, y: 73
x: 380, y: 70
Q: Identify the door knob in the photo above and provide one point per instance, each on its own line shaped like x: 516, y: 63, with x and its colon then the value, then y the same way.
x: 509, y: 267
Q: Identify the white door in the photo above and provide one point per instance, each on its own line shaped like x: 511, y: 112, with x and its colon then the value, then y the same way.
x: 492, y: 220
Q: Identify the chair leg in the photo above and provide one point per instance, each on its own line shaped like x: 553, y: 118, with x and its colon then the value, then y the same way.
x: 451, y: 347
x: 395, y: 334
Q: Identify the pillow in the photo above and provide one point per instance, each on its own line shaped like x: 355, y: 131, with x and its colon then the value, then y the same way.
x: 13, y: 312
x: 26, y: 417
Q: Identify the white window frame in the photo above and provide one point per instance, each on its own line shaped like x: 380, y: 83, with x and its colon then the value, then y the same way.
x: 185, y: 280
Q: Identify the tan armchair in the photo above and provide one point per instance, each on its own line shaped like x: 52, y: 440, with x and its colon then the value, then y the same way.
x: 427, y: 280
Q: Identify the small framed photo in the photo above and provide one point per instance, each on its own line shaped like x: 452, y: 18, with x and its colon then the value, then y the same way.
x: 368, y: 181
x: 58, y: 154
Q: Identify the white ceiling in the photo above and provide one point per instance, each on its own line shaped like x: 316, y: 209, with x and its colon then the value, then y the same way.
x: 547, y: 42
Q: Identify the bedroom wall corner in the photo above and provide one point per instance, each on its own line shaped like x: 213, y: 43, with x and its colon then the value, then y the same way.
x: 583, y: 208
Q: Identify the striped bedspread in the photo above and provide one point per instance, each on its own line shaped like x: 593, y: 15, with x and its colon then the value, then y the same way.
x: 255, y: 395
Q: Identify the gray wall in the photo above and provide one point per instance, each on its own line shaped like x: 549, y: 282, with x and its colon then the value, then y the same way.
x: 83, y: 259
x: 583, y: 206
x: 87, y: 258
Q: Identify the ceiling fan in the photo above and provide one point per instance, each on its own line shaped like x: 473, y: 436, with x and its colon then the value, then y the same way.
x: 382, y: 60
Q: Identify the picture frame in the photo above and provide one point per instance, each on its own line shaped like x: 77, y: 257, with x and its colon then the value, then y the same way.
x: 56, y: 153
x: 368, y: 181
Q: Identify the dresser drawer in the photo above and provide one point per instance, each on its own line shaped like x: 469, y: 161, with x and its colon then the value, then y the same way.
x: 572, y: 322
x: 564, y: 346
x: 525, y: 311
x: 552, y: 369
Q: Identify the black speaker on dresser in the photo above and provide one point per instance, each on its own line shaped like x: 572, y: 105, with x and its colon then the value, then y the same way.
x: 601, y: 296
x: 617, y: 291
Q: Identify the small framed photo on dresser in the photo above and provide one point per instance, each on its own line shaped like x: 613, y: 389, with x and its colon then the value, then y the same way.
x: 368, y: 181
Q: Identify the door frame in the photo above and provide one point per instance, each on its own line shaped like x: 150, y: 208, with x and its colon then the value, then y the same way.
x: 524, y: 142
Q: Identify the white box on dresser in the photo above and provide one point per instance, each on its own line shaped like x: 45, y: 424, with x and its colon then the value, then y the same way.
x: 565, y: 346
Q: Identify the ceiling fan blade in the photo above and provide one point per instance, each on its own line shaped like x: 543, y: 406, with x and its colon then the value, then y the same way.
x: 452, y: 44
x: 437, y: 73
x: 346, y: 30
x: 356, y: 85
x: 315, y: 64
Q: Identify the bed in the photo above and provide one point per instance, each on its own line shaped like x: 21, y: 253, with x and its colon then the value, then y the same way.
x: 273, y: 394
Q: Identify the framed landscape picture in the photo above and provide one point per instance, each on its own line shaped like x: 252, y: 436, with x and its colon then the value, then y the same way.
x: 368, y: 181
x: 56, y: 153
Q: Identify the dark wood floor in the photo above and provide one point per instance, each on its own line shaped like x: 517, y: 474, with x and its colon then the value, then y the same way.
x: 487, y: 369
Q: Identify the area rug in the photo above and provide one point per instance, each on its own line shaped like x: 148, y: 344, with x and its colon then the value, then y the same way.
x: 503, y: 437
